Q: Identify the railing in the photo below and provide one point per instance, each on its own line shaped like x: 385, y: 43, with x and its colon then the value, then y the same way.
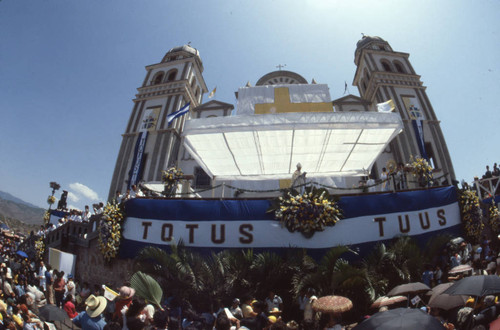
x: 487, y: 188
x: 73, y: 233
x: 390, y: 78
x: 161, y: 89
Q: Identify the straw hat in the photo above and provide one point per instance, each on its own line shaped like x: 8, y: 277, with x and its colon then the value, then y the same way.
x: 95, y: 305
x: 126, y: 292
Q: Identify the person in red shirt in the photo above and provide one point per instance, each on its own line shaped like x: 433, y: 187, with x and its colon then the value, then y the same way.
x: 124, y: 299
x: 59, y: 288
x: 69, y: 306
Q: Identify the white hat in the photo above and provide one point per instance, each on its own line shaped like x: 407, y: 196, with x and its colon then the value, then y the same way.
x: 299, y: 165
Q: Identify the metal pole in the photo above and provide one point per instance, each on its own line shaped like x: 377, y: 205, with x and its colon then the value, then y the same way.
x: 213, y: 185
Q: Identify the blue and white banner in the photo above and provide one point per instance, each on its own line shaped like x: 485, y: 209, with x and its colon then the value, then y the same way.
x: 148, y: 124
x: 55, y: 215
x: 417, y: 117
x: 216, y: 224
x: 137, y: 160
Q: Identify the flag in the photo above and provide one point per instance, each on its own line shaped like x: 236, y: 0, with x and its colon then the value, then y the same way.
x: 387, y: 106
x: 109, y: 294
x: 181, y: 112
x: 345, y: 88
x: 212, y: 93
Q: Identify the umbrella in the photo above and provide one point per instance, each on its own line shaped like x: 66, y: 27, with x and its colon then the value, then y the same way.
x: 386, y: 301
x: 52, y: 313
x: 460, y: 269
x: 332, y: 304
x: 443, y: 300
x: 479, y: 286
x: 401, y: 318
x: 22, y: 254
x: 408, y: 288
x: 495, y: 325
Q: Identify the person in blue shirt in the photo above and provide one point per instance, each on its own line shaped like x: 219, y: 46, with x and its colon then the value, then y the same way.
x: 91, y: 318
x: 427, y: 276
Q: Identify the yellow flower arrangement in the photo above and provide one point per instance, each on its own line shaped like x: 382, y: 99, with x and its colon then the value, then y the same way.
x: 51, y: 200
x: 40, y: 248
x: 471, y: 214
x: 170, y: 178
x: 421, y: 168
x: 46, y: 217
x: 307, y: 213
x: 494, y: 217
x: 110, y: 230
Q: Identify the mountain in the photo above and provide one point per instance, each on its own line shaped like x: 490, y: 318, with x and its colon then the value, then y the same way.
x: 14, y: 210
x: 8, y: 197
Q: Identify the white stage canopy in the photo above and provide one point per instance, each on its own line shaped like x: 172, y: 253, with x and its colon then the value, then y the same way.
x: 268, y: 146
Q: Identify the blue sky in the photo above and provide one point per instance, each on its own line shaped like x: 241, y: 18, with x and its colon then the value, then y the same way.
x: 69, y: 71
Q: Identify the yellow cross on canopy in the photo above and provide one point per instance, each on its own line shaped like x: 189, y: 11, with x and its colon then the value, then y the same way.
x: 282, y: 104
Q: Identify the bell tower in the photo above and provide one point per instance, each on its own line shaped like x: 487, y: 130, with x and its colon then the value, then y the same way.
x: 150, y: 144
x: 383, y: 74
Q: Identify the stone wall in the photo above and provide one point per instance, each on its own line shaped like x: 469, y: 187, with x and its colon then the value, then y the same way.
x: 92, y: 268
x: 80, y: 239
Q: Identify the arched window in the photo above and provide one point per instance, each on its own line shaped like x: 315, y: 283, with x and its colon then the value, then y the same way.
x: 399, y: 67
x: 364, y: 85
x: 171, y: 75
x: 387, y: 66
x: 158, y: 78
x: 197, y: 92
x: 193, y: 83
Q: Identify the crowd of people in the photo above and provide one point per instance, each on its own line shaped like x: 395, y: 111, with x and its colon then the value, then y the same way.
x: 68, y: 215
x: 458, y: 260
x: 29, y: 286
x: 490, y: 174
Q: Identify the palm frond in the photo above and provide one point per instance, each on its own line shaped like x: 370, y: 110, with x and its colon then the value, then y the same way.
x: 147, y: 288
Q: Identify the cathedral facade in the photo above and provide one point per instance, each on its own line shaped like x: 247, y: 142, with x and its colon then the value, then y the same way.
x: 152, y: 141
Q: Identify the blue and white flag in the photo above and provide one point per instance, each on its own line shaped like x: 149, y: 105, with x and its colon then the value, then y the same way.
x: 178, y: 113
x: 417, y: 117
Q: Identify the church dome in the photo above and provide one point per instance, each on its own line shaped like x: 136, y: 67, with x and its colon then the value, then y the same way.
x: 367, y: 40
x: 182, y: 52
x: 185, y: 48
x: 281, y: 77
x: 375, y: 43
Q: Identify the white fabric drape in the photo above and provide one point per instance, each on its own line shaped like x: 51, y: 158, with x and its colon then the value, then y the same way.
x: 259, y: 147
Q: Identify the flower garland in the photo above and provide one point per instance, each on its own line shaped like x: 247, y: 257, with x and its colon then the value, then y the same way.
x: 307, y: 213
x: 171, y: 176
x: 51, y: 200
x: 40, y: 248
x: 471, y: 214
x: 110, y: 230
x: 494, y: 217
x: 420, y: 167
x: 46, y: 217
